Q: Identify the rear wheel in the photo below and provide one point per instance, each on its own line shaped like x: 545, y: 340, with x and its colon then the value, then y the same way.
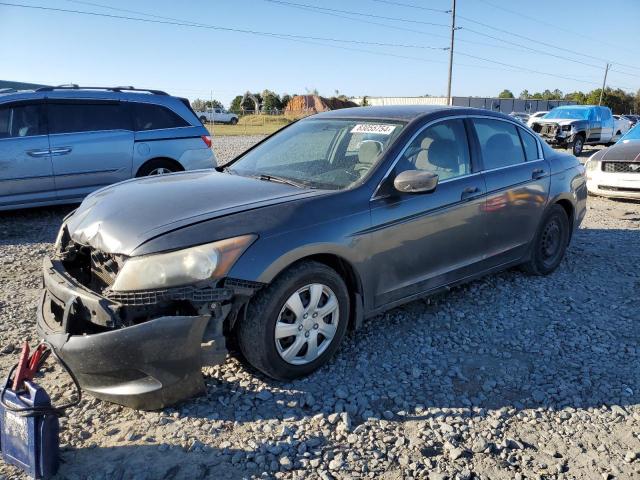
x: 157, y: 167
x: 297, y: 323
x: 203, y: 119
x: 550, y: 242
x: 233, y: 121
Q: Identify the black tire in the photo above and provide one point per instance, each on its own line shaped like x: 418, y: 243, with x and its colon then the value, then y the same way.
x: 550, y: 242
x: 577, y: 145
x: 234, y: 121
x: 154, y: 165
x: 203, y: 119
x: 256, y: 330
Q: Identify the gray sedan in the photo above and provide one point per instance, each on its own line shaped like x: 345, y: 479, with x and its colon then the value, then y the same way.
x: 330, y: 221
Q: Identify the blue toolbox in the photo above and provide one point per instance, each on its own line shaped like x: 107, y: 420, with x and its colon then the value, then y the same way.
x: 29, y: 425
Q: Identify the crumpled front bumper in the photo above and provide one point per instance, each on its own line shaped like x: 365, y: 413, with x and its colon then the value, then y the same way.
x: 145, y: 366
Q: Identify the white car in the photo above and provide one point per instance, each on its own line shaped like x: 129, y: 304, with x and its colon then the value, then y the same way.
x: 615, y: 171
x: 535, y: 116
x: 217, y: 115
x: 621, y: 126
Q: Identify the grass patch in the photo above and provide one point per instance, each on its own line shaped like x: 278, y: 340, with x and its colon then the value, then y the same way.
x: 252, y: 125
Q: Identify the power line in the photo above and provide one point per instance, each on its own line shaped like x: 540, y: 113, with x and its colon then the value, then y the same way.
x: 536, y: 40
x: 400, y: 4
x: 558, y: 27
x: 183, y: 23
x: 351, y: 12
x: 529, y: 70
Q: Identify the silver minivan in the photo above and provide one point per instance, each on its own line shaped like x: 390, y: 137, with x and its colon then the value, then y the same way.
x: 58, y: 144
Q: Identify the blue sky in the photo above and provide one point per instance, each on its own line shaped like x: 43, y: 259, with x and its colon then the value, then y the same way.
x: 55, y: 47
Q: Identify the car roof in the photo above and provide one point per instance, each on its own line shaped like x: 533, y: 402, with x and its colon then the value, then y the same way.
x: 405, y: 113
x: 144, y: 96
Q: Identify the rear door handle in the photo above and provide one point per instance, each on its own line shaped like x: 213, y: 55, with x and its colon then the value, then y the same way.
x: 469, y: 193
x: 538, y: 173
x: 38, y: 153
x: 60, y: 150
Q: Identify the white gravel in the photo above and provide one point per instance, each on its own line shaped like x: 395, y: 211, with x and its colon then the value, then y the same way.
x: 509, y: 377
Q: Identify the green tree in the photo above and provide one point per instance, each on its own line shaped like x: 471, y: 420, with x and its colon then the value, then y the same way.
x: 200, y: 105
x: 270, y: 101
x: 506, y: 94
x: 236, y: 104
x: 524, y: 95
x: 284, y: 99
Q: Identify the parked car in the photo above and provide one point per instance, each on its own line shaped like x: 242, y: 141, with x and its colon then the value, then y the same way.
x: 217, y: 115
x: 534, y: 116
x: 520, y: 116
x: 634, y: 119
x: 574, y: 126
x: 57, y: 144
x: 621, y: 126
x: 615, y: 171
x: 296, y: 241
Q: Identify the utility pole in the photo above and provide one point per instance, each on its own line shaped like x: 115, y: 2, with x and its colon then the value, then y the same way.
x: 604, y: 83
x: 453, y: 33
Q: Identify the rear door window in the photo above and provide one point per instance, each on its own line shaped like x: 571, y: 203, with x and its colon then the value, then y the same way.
x: 499, y: 143
x: 147, y: 116
x: 22, y: 121
x: 75, y: 117
x: 530, y: 145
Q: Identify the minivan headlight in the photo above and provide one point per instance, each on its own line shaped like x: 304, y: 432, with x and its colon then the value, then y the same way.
x: 181, y: 267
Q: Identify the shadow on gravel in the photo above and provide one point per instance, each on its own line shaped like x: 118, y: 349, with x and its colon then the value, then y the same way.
x: 165, y: 461
x: 569, y: 340
x: 32, y: 225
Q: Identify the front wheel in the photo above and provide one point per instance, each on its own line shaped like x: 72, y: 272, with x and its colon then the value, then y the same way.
x: 294, y: 326
x: 577, y: 145
x: 550, y: 242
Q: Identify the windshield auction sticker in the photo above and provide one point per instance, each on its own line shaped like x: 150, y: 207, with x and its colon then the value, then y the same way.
x: 378, y: 128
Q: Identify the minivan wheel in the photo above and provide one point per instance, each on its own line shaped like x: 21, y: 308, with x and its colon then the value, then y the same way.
x: 550, y: 242
x: 577, y: 145
x: 294, y: 326
x: 157, y: 167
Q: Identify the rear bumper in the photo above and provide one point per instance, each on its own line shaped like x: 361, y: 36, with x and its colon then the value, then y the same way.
x: 145, y: 366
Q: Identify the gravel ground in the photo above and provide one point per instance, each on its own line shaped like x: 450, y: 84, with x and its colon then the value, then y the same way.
x: 509, y: 377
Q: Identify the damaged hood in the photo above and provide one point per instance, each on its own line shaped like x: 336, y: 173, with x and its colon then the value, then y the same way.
x: 559, y: 121
x: 118, y: 218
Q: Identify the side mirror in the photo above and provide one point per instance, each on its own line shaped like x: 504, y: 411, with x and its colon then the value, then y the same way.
x: 415, y: 181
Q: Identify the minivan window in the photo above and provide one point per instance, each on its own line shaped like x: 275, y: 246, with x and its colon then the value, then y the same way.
x: 74, y: 117
x: 530, y: 145
x: 441, y: 149
x: 21, y: 121
x: 499, y: 143
x: 147, y: 116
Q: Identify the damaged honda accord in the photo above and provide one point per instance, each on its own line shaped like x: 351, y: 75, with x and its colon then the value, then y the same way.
x: 333, y: 219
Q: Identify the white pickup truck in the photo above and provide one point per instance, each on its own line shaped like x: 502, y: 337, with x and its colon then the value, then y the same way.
x: 217, y: 115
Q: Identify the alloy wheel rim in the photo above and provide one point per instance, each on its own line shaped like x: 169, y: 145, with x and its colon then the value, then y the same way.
x: 159, y: 171
x: 307, y: 324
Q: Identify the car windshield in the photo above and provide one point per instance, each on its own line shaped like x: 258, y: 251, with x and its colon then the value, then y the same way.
x: 633, y: 134
x: 571, y: 113
x: 320, y: 153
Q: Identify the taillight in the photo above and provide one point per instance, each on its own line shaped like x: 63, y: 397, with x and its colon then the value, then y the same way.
x: 207, y: 140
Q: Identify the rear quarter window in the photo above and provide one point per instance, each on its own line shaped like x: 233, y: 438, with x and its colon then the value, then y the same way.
x: 147, y: 116
x: 530, y: 145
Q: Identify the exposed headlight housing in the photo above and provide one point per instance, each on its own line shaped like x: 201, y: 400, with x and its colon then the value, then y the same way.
x: 566, y: 128
x: 181, y: 267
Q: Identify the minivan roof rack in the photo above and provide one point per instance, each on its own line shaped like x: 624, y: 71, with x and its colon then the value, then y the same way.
x: 73, y: 86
